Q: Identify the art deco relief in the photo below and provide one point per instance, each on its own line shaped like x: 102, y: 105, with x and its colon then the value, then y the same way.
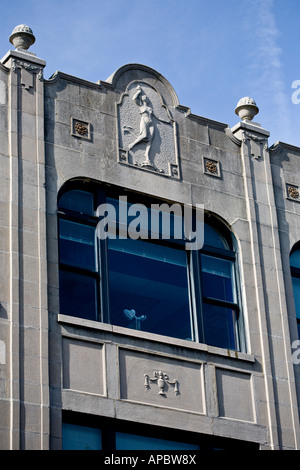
x: 293, y: 192
x: 257, y: 145
x: 162, y: 381
x: 146, y: 131
x: 211, y: 167
x: 27, y: 71
x: 80, y: 129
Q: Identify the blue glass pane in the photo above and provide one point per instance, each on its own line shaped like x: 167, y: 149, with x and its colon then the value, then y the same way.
x: 77, y: 244
x: 217, y: 278
x: 119, y: 214
x: 213, y: 238
x: 136, y: 442
x: 78, y: 295
x: 78, y: 201
x: 148, y: 286
x: 295, y: 259
x: 219, y: 326
x: 80, y: 437
x: 296, y: 288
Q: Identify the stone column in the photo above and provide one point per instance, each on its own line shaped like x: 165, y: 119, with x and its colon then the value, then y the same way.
x: 27, y: 345
x: 271, y: 335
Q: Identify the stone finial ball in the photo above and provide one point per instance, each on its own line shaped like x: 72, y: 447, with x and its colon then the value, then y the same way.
x: 22, y: 37
x: 246, y: 109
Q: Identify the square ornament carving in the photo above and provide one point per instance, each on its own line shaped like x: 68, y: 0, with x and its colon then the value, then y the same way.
x: 80, y: 129
x: 211, y: 167
x: 292, y: 192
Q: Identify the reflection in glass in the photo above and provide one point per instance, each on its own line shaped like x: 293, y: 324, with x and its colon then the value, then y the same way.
x: 77, y: 200
x: 75, y: 437
x: 77, y: 244
x: 152, y: 281
x: 216, y: 278
x: 295, y: 271
x: 295, y: 259
x: 219, y: 326
x: 213, y: 238
x: 137, y: 442
x: 78, y: 295
x: 296, y: 288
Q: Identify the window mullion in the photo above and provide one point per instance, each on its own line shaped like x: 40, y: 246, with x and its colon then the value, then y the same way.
x: 104, y: 280
x: 218, y: 252
x: 196, y: 294
x: 222, y: 303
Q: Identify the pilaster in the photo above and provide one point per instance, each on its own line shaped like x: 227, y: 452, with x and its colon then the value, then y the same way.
x: 270, y: 294
x: 28, y: 316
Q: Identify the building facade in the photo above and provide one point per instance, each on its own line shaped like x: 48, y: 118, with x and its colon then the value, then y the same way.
x: 150, y: 267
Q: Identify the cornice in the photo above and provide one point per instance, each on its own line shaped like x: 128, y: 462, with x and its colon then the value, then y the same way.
x: 279, y: 146
x: 4, y: 69
x: 80, y: 81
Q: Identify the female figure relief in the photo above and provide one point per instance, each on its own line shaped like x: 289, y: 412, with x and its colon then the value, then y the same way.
x: 146, y: 124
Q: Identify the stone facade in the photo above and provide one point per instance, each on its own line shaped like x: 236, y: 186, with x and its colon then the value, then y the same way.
x: 53, y: 131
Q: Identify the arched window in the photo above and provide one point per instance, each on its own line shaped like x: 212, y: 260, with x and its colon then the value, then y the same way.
x: 140, y: 274
x: 220, y: 303
x: 295, y: 272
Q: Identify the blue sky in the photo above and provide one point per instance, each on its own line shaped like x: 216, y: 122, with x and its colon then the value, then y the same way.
x: 213, y: 52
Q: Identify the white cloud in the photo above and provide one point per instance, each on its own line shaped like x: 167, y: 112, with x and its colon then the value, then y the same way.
x: 266, y: 63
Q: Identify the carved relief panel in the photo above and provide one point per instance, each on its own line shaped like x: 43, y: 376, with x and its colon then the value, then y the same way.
x: 161, y: 381
x: 146, y: 131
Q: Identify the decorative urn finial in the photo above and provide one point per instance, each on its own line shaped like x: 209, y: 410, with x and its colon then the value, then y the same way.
x: 22, y: 37
x: 246, y: 109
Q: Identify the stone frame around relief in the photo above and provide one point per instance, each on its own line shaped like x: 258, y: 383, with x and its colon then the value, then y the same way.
x: 157, y: 151
x: 80, y: 129
x: 292, y: 192
x: 211, y: 167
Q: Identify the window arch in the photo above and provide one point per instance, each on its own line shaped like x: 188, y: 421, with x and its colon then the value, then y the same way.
x: 295, y: 272
x: 152, y: 284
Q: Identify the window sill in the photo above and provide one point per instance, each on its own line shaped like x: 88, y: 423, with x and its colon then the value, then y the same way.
x: 95, y: 325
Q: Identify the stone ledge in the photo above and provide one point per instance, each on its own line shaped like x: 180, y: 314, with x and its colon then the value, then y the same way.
x: 118, y: 330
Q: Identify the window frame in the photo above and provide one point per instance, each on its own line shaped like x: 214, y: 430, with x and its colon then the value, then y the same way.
x: 164, y: 243
x: 196, y: 296
x: 295, y: 274
x: 109, y: 427
x: 231, y: 255
x: 90, y: 221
